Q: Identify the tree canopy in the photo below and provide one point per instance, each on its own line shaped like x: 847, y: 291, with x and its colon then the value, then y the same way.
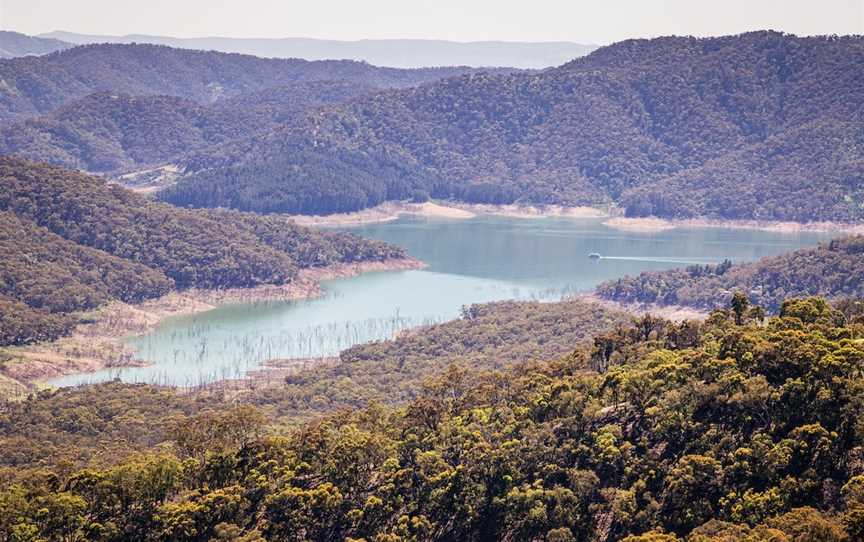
x: 727, y: 429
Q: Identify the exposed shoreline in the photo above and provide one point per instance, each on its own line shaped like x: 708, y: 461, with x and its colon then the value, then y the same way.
x: 655, y: 224
x: 392, y: 210
x: 98, y: 344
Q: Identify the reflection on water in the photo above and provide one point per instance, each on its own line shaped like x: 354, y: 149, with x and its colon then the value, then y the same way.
x: 471, y: 261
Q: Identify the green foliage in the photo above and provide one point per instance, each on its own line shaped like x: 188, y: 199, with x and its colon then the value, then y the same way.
x: 744, y: 431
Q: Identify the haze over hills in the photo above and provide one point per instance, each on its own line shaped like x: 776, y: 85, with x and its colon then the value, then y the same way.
x: 396, y: 53
x: 757, y: 126
x: 15, y: 44
x: 38, y: 85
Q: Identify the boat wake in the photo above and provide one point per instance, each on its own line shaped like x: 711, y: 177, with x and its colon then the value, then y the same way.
x: 661, y: 259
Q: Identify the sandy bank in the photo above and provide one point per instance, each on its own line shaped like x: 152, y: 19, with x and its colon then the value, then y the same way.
x: 533, y: 211
x: 654, y: 224
x: 98, y: 343
x: 392, y: 210
x: 386, y: 212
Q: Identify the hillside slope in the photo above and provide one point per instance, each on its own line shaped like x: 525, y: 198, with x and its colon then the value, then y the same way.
x: 106, y: 132
x: 669, y: 126
x: 71, y: 242
x: 488, y: 337
x: 15, y: 44
x: 38, y: 85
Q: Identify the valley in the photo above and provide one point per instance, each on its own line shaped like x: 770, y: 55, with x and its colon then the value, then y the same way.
x: 426, y: 290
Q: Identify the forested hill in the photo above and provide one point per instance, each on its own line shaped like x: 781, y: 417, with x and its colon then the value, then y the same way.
x: 71, y: 242
x: 716, y: 431
x: 834, y: 270
x: 35, y: 85
x: 107, y: 132
x: 762, y: 125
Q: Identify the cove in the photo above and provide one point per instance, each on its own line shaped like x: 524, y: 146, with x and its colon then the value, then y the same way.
x: 486, y: 258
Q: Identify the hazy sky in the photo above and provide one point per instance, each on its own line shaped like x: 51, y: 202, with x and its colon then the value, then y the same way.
x: 598, y: 21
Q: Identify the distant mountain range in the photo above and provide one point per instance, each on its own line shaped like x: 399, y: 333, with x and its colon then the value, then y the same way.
x: 758, y: 126
x: 762, y: 126
x: 15, y: 44
x: 397, y: 53
x: 36, y: 85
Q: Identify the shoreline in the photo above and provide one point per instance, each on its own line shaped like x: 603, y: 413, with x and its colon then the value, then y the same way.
x: 392, y: 210
x: 655, y: 224
x: 98, y: 343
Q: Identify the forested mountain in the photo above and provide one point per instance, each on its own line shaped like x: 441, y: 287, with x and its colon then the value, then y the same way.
x: 728, y: 429
x: 38, y: 85
x: 107, y: 132
x: 15, y: 44
x: 834, y: 269
x: 669, y: 126
x: 396, y: 53
x: 71, y: 242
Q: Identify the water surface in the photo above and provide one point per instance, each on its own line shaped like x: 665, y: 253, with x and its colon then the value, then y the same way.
x: 470, y: 261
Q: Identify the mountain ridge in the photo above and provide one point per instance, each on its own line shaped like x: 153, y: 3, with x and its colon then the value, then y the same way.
x: 397, y: 53
x: 38, y: 85
x: 601, y: 130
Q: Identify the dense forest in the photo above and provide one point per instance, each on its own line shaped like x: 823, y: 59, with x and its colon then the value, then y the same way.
x: 109, y: 133
x: 735, y: 428
x: 71, y: 242
x: 762, y: 126
x: 834, y: 269
x: 39, y: 85
x: 757, y: 126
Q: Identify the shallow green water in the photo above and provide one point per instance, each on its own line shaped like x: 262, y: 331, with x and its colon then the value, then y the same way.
x: 470, y: 261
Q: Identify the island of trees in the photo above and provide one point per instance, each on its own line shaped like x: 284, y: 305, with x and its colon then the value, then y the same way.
x: 833, y: 269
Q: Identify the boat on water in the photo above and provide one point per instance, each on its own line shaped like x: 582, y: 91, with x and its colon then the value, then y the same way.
x: 595, y: 256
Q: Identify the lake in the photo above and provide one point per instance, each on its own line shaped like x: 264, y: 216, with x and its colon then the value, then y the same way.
x: 483, y: 259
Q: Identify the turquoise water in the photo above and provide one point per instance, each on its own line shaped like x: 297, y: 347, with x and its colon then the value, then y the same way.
x: 470, y: 261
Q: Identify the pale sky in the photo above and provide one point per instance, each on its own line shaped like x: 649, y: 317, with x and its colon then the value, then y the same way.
x: 598, y: 21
